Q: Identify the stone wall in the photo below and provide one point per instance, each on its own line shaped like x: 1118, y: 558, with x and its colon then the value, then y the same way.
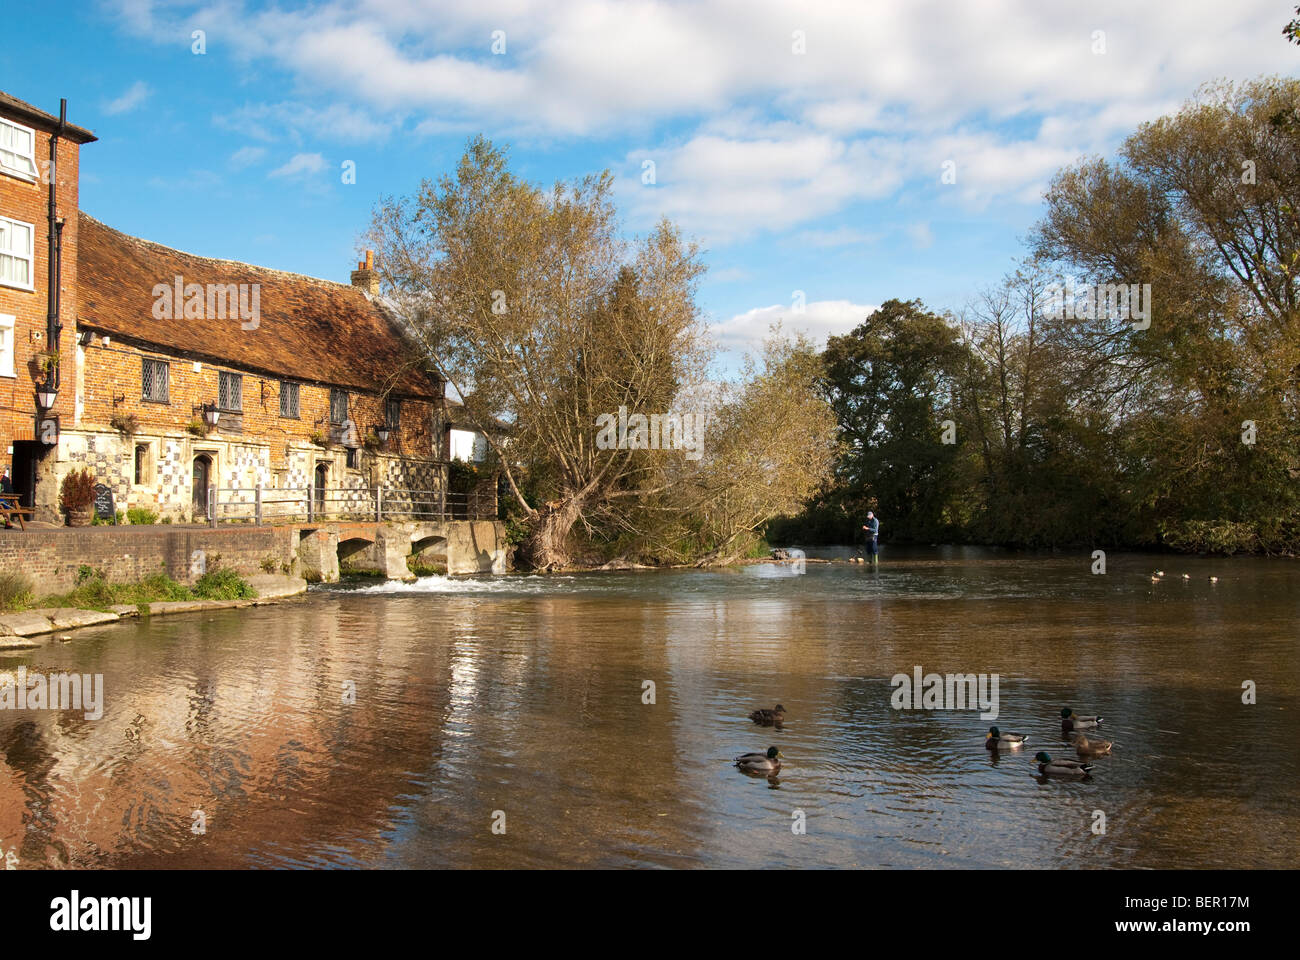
x: 51, y: 558
x: 125, y: 554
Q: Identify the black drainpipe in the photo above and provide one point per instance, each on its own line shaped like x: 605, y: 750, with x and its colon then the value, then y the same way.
x: 53, y: 326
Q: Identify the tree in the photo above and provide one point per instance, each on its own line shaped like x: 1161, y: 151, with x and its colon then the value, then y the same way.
x: 537, y: 312
x: 1201, y: 206
x: 890, y: 383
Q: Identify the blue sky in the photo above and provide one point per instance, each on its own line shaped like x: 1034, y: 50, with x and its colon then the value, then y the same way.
x: 802, y: 143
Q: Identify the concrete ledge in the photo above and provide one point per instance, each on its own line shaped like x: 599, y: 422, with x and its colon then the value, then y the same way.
x: 17, y: 643
x: 69, y: 619
x: 29, y: 623
x: 15, y: 628
x: 275, y: 586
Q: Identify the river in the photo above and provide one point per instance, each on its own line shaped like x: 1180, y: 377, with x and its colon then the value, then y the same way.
x: 503, y: 722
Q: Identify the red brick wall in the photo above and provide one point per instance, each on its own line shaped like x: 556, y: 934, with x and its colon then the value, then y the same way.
x: 20, y: 200
x: 113, y: 371
x: 51, y: 558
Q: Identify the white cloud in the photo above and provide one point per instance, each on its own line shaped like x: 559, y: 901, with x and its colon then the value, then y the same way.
x: 727, y: 189
x: 300, y: 166
x: 135, y: 95
x: 922, y: 236
x: 747, y: 136
x: 294, y: 121
x: 819, y: 319
x: 246, y: 157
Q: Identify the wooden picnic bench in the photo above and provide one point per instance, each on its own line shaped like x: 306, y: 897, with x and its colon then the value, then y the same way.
x: 11, y: 507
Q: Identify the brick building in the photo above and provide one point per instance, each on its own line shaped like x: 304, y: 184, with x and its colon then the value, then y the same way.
x: 38, y: 226
x: 178, y: 374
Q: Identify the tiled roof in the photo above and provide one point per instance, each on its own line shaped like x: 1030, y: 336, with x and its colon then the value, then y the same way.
x: 309, y: 329
x: 25, y: 112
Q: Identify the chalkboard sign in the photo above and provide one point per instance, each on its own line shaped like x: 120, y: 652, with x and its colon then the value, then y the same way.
x: 104, y: 502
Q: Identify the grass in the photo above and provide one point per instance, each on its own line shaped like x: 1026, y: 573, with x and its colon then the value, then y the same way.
x: 93, y: 591
x: 15, y: 591
x: 223, y: 584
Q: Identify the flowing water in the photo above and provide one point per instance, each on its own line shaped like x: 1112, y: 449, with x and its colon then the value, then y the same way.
x: 397, y: 725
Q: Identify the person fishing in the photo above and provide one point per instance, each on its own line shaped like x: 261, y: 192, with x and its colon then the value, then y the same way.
x: 872, y: 526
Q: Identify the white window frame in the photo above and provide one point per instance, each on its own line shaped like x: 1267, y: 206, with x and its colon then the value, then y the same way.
x: 8, y: 323
x: 6, y: 166
x: 30, y: 256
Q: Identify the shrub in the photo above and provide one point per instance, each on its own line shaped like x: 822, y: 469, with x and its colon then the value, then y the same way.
x: 141, y: 515
x: 197, y: 427
x: 223, y: 585
x: 125, y: 423
x: 422, y: 568
x: 268, y: 564
x: 77, y: 492
x: 15, y: 591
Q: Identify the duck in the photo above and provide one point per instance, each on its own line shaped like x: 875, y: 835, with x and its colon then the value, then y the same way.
x: 768, y: 763
x: 1213, y: 579
x: 769, y: 717
x: 1072, y: 721
x: 1159, y: 573
x: 1187, y: 576
x: 1064, y: 769
x: 996, y: 740
x: 1087, y: 747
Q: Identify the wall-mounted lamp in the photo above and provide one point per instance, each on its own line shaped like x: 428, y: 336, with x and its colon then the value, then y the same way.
x: 85, y: 338
x: 381, y: 432
x: 46, y: 396
x: 211, y: 415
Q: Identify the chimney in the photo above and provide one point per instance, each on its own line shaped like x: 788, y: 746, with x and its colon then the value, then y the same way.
x: 364, y: 276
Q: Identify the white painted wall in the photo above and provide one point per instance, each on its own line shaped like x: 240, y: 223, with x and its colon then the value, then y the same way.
x: 468, y: 445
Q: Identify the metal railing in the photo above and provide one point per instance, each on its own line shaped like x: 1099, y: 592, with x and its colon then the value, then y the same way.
x: 261, y: 505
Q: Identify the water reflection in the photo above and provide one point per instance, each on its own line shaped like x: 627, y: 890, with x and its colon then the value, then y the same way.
x: 389, y: 726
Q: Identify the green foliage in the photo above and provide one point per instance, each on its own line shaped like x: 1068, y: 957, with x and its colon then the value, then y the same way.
x: 423, y: 569
x: 268, y: 564
x: 461, y: 476
x: 223, y: 584
x: 1181, y: 430
x: 15, y: 591
x: 142, y: 515
x: 93, y: 591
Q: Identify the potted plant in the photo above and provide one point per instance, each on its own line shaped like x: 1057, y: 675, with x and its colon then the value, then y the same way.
x: 124, y: 423
x: 77, y: 496
x: 47, y: 360
x: 197, y: 428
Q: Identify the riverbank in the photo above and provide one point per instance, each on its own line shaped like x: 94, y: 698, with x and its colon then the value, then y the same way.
x: 17, y: 630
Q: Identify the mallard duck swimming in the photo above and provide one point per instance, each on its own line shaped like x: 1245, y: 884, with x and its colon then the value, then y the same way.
x: 769, y: 717
x: 769, y: 762
x: 1213, y: 579
x: 995, y: 739
x: 1065, y: 769
x: 1072, y: 721
x: 1087, y: 747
